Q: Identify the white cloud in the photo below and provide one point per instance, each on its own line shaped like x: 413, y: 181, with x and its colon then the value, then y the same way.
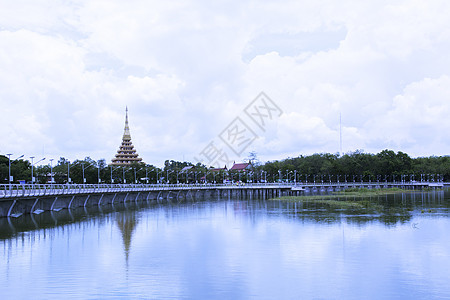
x: 187, y: 68
x: 417, y: 119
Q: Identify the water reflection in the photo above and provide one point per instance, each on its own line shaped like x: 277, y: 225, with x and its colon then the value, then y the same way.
x: 231, y: 249
x: 396, y: 209
x: 126, y: 221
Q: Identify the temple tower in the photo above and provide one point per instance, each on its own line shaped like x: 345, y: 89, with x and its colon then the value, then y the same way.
x: 126, y: 154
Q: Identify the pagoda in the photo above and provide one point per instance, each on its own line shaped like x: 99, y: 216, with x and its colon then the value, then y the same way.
x: 126, y: 154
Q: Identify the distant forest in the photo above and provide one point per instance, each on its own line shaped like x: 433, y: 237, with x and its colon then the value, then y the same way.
x: 324, y: 167
x: 384, y: 166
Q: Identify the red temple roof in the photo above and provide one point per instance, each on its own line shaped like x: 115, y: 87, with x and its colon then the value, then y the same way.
x: 240, y: 166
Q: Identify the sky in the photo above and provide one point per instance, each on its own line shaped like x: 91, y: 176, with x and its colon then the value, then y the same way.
x: 212, y: 81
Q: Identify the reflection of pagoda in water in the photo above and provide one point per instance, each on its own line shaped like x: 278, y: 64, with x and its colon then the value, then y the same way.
x: 126, y: 221
x: 126, y: 154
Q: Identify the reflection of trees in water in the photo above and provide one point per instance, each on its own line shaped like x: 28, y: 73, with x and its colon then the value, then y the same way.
x: 352, y: 216
x: 389, y: 210
x: 126, y: 221
x: 397, y: 208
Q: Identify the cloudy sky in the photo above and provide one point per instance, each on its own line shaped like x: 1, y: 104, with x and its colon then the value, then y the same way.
x: 187, y: 69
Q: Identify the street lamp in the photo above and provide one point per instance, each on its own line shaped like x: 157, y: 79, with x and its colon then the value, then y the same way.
x: 32, y: 165
x: 68, y: 172
x: 288, y: 177
x: 146, y: 174
x: 195, y: 176
x: 51, y: 170
x: 157, y: 176
x: 167, y: 172
x: 9, y: 168
x: 112, y: 169
x: 135, y: 179
x: 98, y: 172
x: 206, y: 174
x: 123, y: 170
x: 82, y: 166
x: 32, y: 179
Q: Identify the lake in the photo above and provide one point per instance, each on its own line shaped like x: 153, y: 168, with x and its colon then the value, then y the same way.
x: 232, y: 249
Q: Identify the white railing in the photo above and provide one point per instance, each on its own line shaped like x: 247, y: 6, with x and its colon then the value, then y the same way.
x: 39, y: 190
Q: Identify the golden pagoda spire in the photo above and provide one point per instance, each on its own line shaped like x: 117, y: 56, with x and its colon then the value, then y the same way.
x: 126, y: 154
x: 126, y: 131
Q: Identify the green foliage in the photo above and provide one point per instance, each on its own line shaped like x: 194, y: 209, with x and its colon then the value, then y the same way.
x: 20, y: 169
x: 359, y: 166
x: 353, y: 166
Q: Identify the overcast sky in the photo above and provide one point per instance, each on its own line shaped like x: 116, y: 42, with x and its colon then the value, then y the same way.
x: 187, y: 69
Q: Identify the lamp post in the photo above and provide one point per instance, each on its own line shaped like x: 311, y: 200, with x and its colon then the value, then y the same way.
x: 32, y: 165
x: 98, y: 172
x: 32, y: 179
x: 135, y: 179
x: 206, y: 174
x: 146, y: 175
x: 123, y: 170
x: 157, y: 176
x: 51, y: 170
x: 9, y: 168
x: 112, y: 169
x: 195, y: 175
x: 68, y: 172
x: 167, y: 172
x: 82, y: 166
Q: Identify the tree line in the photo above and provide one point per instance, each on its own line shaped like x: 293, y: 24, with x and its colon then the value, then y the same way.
x: 360, y: 166
x: 357, y: 166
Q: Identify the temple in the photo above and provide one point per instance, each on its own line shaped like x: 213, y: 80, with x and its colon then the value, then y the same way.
x: 126, y: 154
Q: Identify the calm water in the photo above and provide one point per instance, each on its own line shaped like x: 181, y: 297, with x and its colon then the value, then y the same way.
x: 231, y: 249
